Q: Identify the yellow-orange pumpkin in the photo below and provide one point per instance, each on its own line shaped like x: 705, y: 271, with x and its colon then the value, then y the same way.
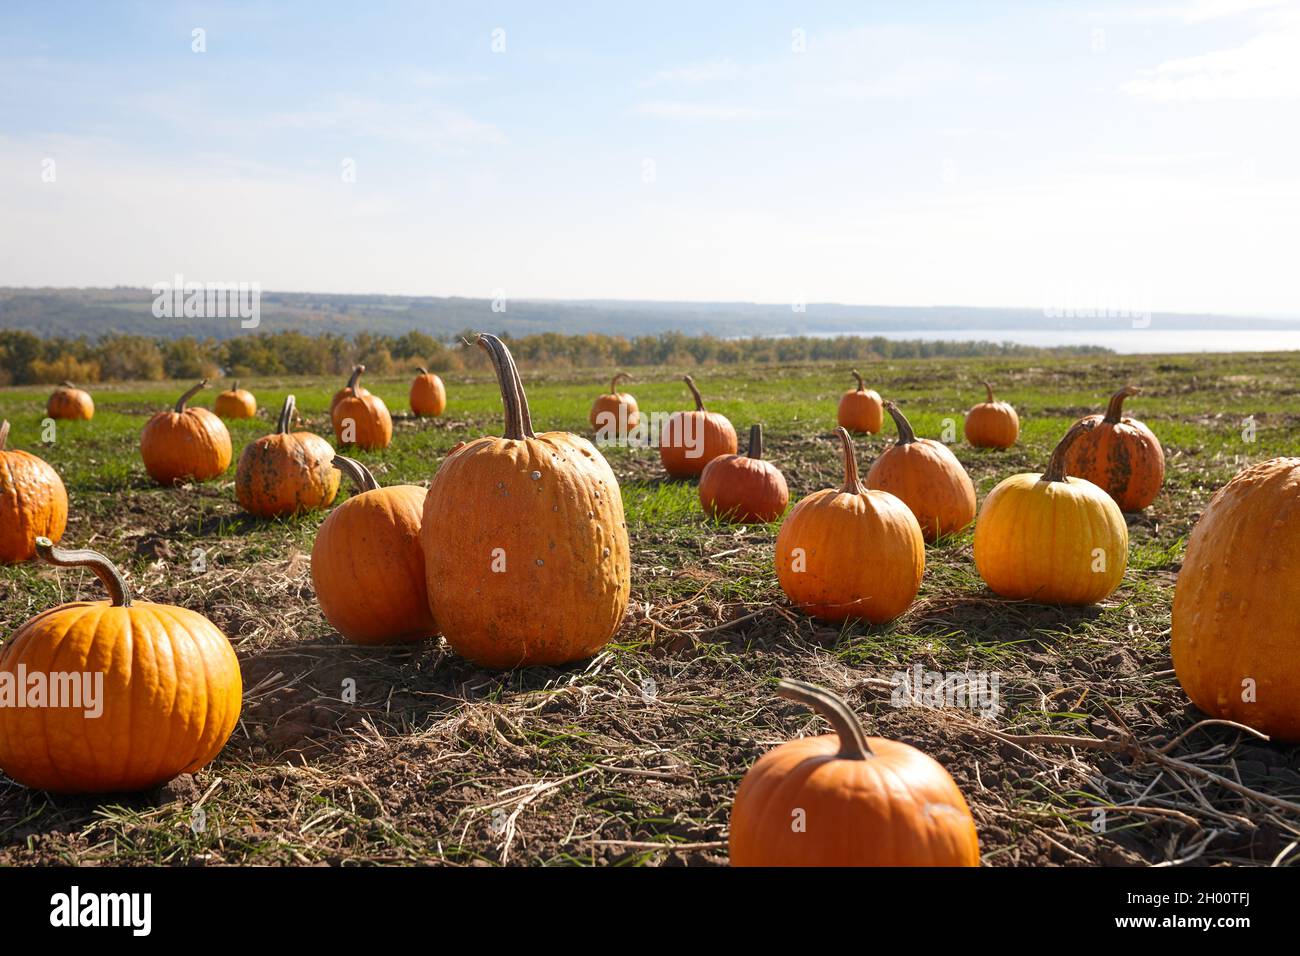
x: 744, y: 487
x: 1120, y: 455
x: 992, y: 424
x: 615, y: 414
x: 927, y: 477
x: 428, y: 395
x: 185, y: 443
x: 286, y: 472
x: 68, y: 401
x: 861, y: 409
x: 691, y: 440
x: 361, y: 418
x: 33, y: 502
x: 235, y: 402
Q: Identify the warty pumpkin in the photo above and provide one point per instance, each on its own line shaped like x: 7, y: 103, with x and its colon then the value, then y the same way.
x: 850, y: 552
x: 33, y: 502
x: 525, y: 545
x: 353, y: 387
x: 615, y: 414
x: 235, y: 402
x: 690, y: 440
x: 861, y: 409
x: 361, y: 418
x: 846, y: 799
x: 286, y: 472
x: 744, y: 487
x: 169, y: 699
x: 992, y: 424
x: 927, y: 477
x: 367, y: 563
x: 1120, y: 455
x: 428, y: 395
x: 1236, y: 628
x: 185, y: 443
x: 68, y: 401
x: 1051, y: 538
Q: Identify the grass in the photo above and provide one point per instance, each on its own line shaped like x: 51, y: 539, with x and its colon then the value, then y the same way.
x: 632, y: 758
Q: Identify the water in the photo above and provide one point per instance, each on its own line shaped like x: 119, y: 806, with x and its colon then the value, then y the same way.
x: 1127, y: 341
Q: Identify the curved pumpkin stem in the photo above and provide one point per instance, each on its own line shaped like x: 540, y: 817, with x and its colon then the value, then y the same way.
x: 66, y: 385
x: 1056, y: 464
x: 1115, y: 410
x: 519, y: 423
x: 862, y: 386
x: 852, y: 484
x: 356, y: 472
x: 286, y: 416
x: 119, y: 595
x: 180, y: 402
x: 695, y: 392
x: 989, y: 388
x: 906, y: 436
x: 755, y: 441
x: 235, y: 387
x: 853, y: 739
x: 422, y: 370
x: 620, y: 377
x: 4, y: 433
x: 355, y: 376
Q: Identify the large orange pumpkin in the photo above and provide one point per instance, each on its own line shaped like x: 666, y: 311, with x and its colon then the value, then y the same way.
x: 525, y: 544
x: 846, y: 799
x: 169, y: 698
x: 1051, y: 538
x: 992, y: 424
x: 615, y: 414
x: 1236, y: 628
x: 68, y: 401
x: 286, y: 472
x: 428, y: 395
x: 860, y: 409
x: 361, y: 418
x: 367, y: 563
x: 353, y: 387
x: 744, y: 487
x: 927, y: 477
x: 185, y: 443
x: 235, y: 402
x: 851, y: 552
x: 33, y: 502
x: 1120, y: 455
x: 691, y: 440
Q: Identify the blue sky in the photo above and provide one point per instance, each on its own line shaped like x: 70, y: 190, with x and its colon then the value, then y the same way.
x: 891, y: 153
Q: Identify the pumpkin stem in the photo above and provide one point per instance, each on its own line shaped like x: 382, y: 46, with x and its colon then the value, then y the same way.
x: 862, y: 386
x: 695, y: 392
x: 356, y: 472
x: 355, y: 376
x: 755, y: 441
x: 1056, y: 464
x: 989, y: 388
x: 422, y: 370
x: 180, y: 402
x: 235, y: 387
x: 613, y: 385
x: 4, y: 433
x: 519, y: 422
x: 906, y: 436
x: 853, y: 739
x: 1115, y: 410
x: 286, y: 416
x: 66, y: 385
x: 852, y: 484
x: 119, y: 595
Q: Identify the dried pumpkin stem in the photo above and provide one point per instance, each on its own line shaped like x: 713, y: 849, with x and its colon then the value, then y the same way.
x: 422, y: 370
x: 1115, y: 410
x: 906, y: 436
x: 853, y: 739
x: 613, y: 385
x: 356, y: 472
x: 355, y: 376
x: 119, y: 595
x: 989, y: 388
x: 180, y: 402
x: 4, y: 433
x: 755, y: 441
x: 235, y: 387
x: 862, y: 386
x: 519, y: 423
x: 66, y: 385
x: 286, y: 416
x: 1056, y: 464
x: 695, y: 393
x: 852, y: 484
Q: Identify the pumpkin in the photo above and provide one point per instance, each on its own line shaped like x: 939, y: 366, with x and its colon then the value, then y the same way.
x: 367, y: 563
x: 744, y: 487
x: 1120, y: 455
x: 927, y: 477
x: 68, y: 401
x: 235, y: 402
x: 428, y: 396
x: 615, y: 414
x: 1236, y: 632
x: 189, y: 443
x: 286, y: 472
x: 861, y: 409
x: 361, y: 418
x: 1051, y: 538
x: 351, y: 388
x: 169, y: 698
x: 846, y: 799
x: 691, y: 440
x: 525, y: 546
x: 33, y: 502
x: 992, y: 424
x: 851, y: 552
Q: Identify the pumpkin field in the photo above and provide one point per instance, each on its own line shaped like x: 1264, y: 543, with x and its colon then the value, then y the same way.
x: 1088, y: 751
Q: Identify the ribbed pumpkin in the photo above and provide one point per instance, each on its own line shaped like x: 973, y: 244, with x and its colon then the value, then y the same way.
x: 1051, y: 538
x: 428, y: 395
x: 367, y: 563
x: 927, y: 477
x: 744, y: 487
x: 170, y: 696
x: 691, y: 440
x: 361, y: 418
x: 1236, y: 628
x: 68, y: 401
x: 861, y: 409
x: 992, y: 424
x: 846, y: 799
x: 525, y: 546
x: 353, y: 387
x: 185, y: 443
x: 235, y: 402
x: 615, y: 414
x: 33, y: 502
x: 851, y: 552
x: 1120, y: 455
x: 286, y: 472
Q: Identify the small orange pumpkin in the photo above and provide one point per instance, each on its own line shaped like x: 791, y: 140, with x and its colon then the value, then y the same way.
x: 1120, y: 455
x: 846, y: 799
x: 351, y: 388
x: 68, y: 401
x: 927, y: 477
x: 428, y: 395
x: 361, y: 418
x: 744, y: 487
x: 691, y: 440
x: 861, y: 409
x: 235, y: 402
x: 615, y: 414
x: 992, y: 424
x: 851, y: 552
x: 285, y: 473
x: 33, y: 502
x: 185, y: 443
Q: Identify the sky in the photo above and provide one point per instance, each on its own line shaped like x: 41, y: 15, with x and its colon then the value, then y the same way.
x: 1032, y: 154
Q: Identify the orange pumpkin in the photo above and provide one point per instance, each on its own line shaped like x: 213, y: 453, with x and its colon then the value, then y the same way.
x: 1236, y: 631
x: 361, y: 418
x: 851, y: 552
x: 927, y: 477
x: 428, y: 396
x: 351, y: 388
x: 185, y: 443
x: 992, y: 424
x: 1120, y: 455
x: 615, y: 414
x: 169, y: 698
x: 68, y: 401
x: 235, y: 402
x: 285, y: 473
x: 846, y: 799
x: 691, y: 440
x: 861, y: 409
x: 525, y: 545
x: 744, y: 487
x: 33, y: 502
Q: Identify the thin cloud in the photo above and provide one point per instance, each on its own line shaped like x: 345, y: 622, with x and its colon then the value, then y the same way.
x: 673, y: 109
x: 1265, y: 67
x: 696, y: 73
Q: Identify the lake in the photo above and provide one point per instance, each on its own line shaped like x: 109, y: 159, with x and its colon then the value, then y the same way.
x: 1128, y: 341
